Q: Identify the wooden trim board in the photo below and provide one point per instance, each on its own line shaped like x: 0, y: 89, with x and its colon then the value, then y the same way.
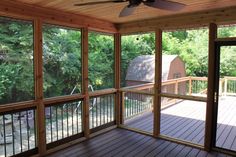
x: 182, y: 21
x: 30, y: 12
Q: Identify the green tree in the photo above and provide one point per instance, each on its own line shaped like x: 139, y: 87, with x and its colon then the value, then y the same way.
x: 101, y: 61
x: 16, y: 61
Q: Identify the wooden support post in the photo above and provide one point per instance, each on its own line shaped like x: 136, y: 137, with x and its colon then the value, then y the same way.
x: 190, y: 86
x: 123, y: 111
x: 220, y: 88
x: 117, y: 43
x: 157, y: 85
x: 225, y: 87
x: 176, y: 89
x: 210, y: 89
x: 85, y: 80
x: 38, y: 68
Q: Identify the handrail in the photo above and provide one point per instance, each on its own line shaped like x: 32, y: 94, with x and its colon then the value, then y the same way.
x: 223, y: 87
x: 140, y: 86
x: 137, y: 91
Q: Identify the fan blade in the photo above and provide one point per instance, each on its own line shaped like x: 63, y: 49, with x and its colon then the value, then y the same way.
x: 99, y: 2
x: 166, y: 5
x: 127, y: 11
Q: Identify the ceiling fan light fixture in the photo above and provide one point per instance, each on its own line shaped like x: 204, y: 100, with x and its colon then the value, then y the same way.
x: 129, y: 9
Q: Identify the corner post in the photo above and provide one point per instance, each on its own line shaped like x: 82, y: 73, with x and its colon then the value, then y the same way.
x: 157, y: 85
x: 85, y: 83
x: 117, y: 43
x: 38, y: 68
x: 209, y: 128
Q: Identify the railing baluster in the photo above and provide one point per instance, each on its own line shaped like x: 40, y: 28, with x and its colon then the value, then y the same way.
x: 100, y: 109
x: 35, y: 137
x: 81, y: 115
x: 4, y: 135
x: 132, y: 104
x: 91, y: 112
x: 72, y: 114
x: 107, y: 112
x: 27, y: 129
x: 136, y: 103
x: 20, y: 132
x: 51, y: 122
x: 56, y: 122
x: 77, y: 111
x: 125, y: 103
x: 111, y: 104
x: 96, y: 111
x: 104, y: 107
x: 67, y: 119
x: 139, y: 103
x: 62, y: 121
x: 13, y: 136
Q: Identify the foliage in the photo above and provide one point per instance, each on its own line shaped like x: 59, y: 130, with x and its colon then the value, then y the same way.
x: 133, y: 46
x: 62, y: 60
x: 101, y: 61
x: 192, y: 47
x: 63, y: 64
x: 16, y: 61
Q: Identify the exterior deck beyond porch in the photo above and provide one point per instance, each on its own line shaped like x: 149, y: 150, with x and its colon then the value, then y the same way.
x: 186, y: 121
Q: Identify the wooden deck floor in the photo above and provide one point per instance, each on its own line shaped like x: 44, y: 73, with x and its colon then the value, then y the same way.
x: 124, y: 143
x: 186, y: 121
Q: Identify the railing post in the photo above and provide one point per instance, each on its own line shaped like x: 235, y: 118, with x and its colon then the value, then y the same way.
x: 85, y: 82
x: 190, y: 86
x: 38, y: 61
x: 123, y: 111
x: 225, y: 86
x: 220, y: 87
x: 176, y: 87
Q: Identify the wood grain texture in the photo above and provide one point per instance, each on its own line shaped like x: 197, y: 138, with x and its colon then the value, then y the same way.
x: 40, y: 117
x: 185, y: 121
x: 85, y: 82
x: 182, y: 21
x: 53, y: 16
x: 110, y: 11
x: 120, y: 142
x: 117, y: 43
x: 157, y: 85
x: 211, y: 87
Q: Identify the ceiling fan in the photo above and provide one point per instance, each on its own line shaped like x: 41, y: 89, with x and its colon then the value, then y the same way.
x: 132, y: 4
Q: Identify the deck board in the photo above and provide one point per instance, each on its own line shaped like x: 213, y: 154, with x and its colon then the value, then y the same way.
x: 129, y: 144
x: 186, y: 120
x: 186, y: 150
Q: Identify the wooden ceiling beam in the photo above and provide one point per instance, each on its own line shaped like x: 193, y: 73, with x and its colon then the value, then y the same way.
x: 31, y: 12
x: 190, y: 20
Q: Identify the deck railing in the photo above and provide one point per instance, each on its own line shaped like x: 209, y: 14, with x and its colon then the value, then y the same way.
x: 101, y: 111
x: 139, y: 98
x: 227, y: 86
x: 64, y: 116
x: 18, y: 132
x: 62, y: 121
x: 136, y: 103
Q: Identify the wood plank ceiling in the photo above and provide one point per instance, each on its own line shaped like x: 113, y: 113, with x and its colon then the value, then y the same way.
x: 110, y: 12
